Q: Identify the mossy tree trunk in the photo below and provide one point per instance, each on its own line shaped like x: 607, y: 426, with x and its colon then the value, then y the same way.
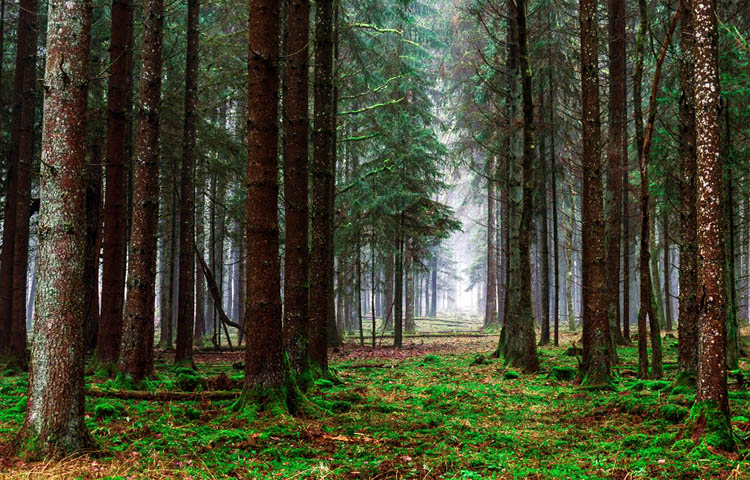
x: 54, y: 425
x: 711, y: 410
x: 687, y: 359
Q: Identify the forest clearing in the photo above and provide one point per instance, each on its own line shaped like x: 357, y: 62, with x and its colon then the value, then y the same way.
x: 431, y: 410
x: 376, y: 239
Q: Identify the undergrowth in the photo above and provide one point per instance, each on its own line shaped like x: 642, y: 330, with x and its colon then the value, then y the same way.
x: 441, y: 415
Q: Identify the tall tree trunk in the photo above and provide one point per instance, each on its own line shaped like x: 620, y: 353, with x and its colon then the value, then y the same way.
x: 555, y: 233
x: 137, y: 350
x: 490, y: 312
x: 434, y: 275
x: 711, y: 410
x: 16, y: 225
x: 732, y: 329
x: 520, y: 337
x: 388, y: 312
x: 264, y: 369
x: 544, y: 227
x: 596, y: 326
x: 569, y: 263
x: 296, y: 151
x: 615, y: 152
x: 186, y: 296
x: 241, y: 283
x: 117, y: 166
x: 54, y: 425
x: 322, y: 187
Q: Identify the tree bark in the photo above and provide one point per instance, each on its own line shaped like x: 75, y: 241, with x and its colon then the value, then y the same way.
x: 118, y: 162
x: 596, y: 326
x: 615, y: 151
x: 490, y: 312
x: 137, y: 350
x: 296, y: 151
x: 186, y: 296
x: 711, y: 410
x: 264, y: 369
x: 54, y: 425
x: 16, y: 224
x: 520, y: 337
x: 322, y: 186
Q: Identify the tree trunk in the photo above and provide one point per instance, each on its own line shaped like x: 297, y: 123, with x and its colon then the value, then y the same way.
x: 388, y: 312
x: 296, y: 150
x: 264, y: 370
x: 711, y: 410
x: 137, y: 351
x: 399, y: 298
x: 54, y: 425
x: 615, y: 152
x: 409, y: 324
x: 544, y: 231
x: 555, y: 235
x: 732, y: 329
x: 520, y: 341
x: 322, y: 191
x: 490, y: 312
x: 186, y: 296
x: 434, y: 275
x: 17, y: 211
x: 667, y: 279
x: 596, y: 326
x: 117, y: 166
x: 200, y: 242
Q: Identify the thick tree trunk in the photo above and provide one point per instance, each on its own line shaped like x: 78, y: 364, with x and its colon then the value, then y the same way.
x: 615, y: 151
x: 200, y: 242
x: 54, y: 425
x: 264, y: 369
x: 596, y: 326
x: 555, y: 233
x: 296, y: 151
x: 544, y: 232
x: 711, y: 410
x: 520, y: 337
x: 186, y: 296
x: 137, y: 350
x: 17, y: 211
x: 322, y: 189
x: 116, y: 171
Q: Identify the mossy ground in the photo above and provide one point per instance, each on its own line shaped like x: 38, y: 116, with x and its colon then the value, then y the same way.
x: 426, y: 411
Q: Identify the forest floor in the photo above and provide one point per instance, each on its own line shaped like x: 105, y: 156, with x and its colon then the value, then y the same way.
x: 436, y: 409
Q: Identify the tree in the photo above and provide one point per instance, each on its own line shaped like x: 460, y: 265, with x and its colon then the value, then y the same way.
x: 323, y: 186
x: 688, y: 306
x: 118, y: 137
x: 710, y: 413
x: 186, y: 296
x: 54, y: 425
x: 519, y: 346
x: 490, y: 313
x: 615, y: 153
x: 17, y: 210
x: 136, y: 352
x: 596, y: 335
x: 296, y: 152
x: 264, y: 366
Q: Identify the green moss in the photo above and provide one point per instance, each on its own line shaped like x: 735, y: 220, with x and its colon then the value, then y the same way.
x: 664, y: 440
x: 635, y: 441
x: 189, y: 382
x: 707, y: 420
x: 683, y: 445
x: 108, y: 409
x: 324, y: 384
x: 563, y: 373
x: 511, y: 375
x: 673, y: 413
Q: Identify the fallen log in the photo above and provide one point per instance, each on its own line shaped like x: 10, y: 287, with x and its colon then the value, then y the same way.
x: 163, y: 396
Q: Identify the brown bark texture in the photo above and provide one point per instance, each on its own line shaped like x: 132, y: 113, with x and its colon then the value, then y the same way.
x: 137, y: 349
x: 117, y: 164
x: 54, y: 424
x: 596, y: 327
x: 322, y: 188
x: 186, y: 296
x: 264, y: 372
x: 296, y: 188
